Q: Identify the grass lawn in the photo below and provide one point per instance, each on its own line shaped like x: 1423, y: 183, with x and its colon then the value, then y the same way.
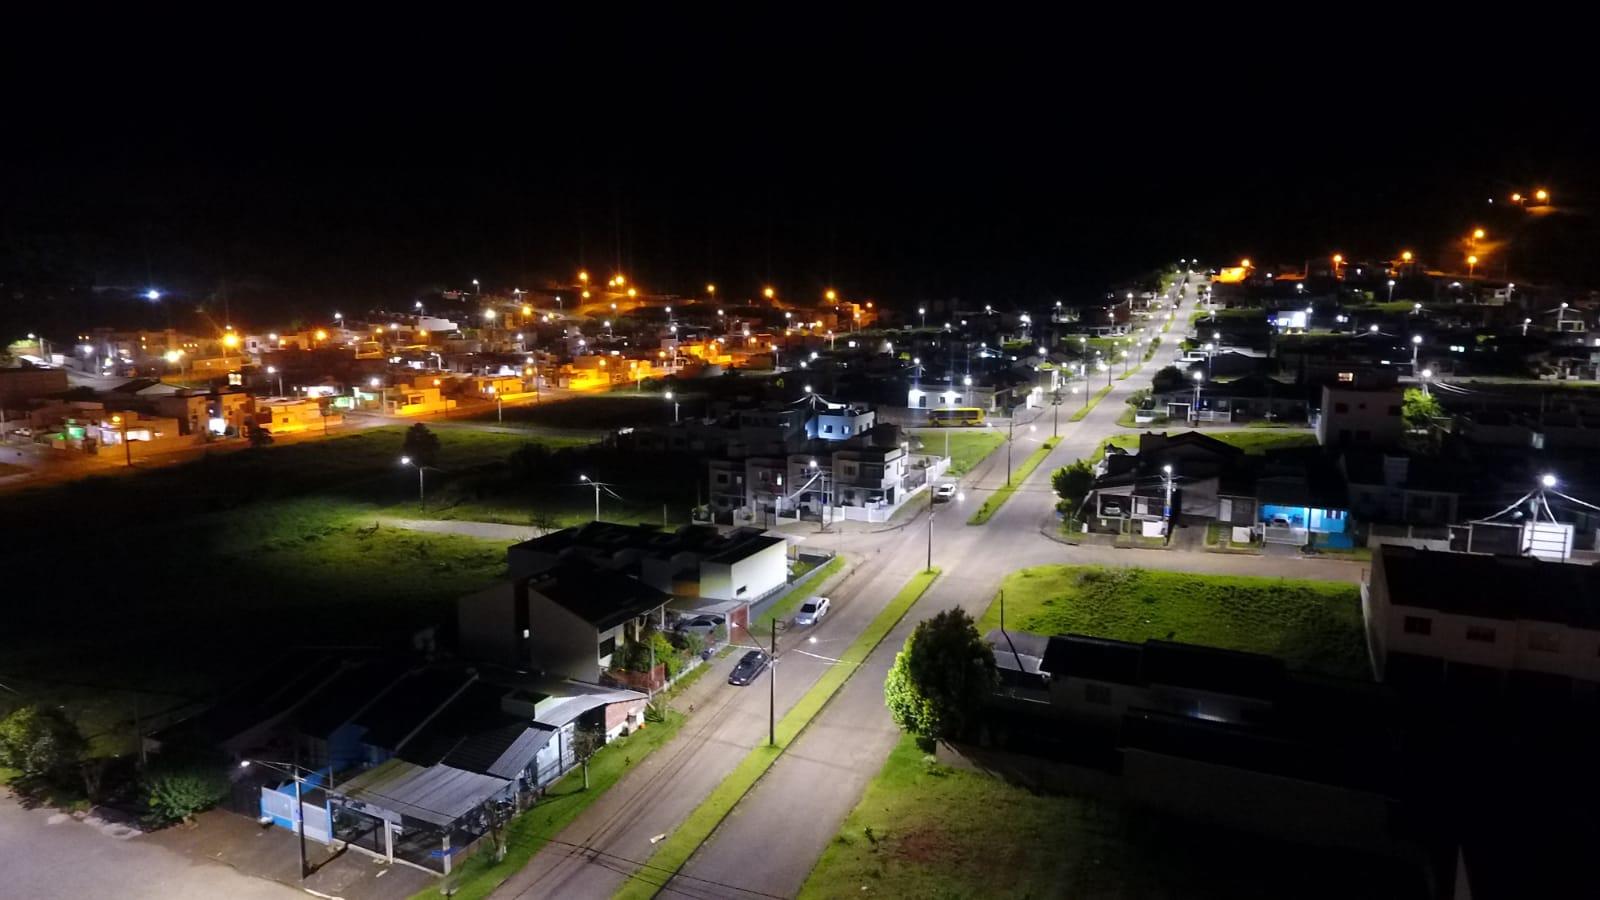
x: 1000, y: 496
x: 804, y: 590
x: 1258, y: 441
x: 597, y: 412
x: 1093, y: 402
x: 968, y: 446
x: 680, y: 844
x: 562, y: 803
x: 927, y: 830
x: 1309, y: 624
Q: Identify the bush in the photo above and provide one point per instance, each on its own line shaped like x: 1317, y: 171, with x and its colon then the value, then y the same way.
x: 176, y: 791
x: 38, y: 741
x: 942, y: 677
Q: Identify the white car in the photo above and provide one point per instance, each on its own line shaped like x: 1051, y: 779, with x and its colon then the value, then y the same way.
x: 944, y: 492
x: 812, y: 611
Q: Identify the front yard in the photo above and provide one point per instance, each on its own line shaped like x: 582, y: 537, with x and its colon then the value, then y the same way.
x: 928, y: 830
x: 1312, y: 625
x: 967, y: 446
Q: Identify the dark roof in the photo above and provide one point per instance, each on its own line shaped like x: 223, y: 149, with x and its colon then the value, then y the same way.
x: 604, y: 539
x: 347, y: 695
x: 1211, y: 669
x: 599, y: 596
x: 407, y: 705
x: 1493, y: 587
x: 474, y: 710
x: 1090, y: 657
x: 1163, y: 662
x: 292, y: 680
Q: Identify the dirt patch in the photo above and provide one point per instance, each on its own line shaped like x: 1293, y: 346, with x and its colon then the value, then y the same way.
x: 923, y: 846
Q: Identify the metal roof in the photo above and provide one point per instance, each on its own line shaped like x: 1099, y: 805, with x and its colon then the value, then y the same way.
x: 438, y: 795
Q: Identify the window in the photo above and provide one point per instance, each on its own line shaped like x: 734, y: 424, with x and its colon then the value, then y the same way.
x: 828, y: 430
x: 1419, y: 625
x: 1097, y: 693
x: 1480, y: 633
x: 741, y: 590
x: 1544, y: 641
x: 1347, y: 377
x: 608, y: 646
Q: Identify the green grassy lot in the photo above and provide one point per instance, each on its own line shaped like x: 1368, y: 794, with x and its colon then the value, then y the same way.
x: 1309, y: 624
x: 927, y: 830
x: 155, y: 587
x: 528, y: 833
x: 600, y: 411
x: 680, y: 844
x: 1000, y: 496
x: 1078, y: 414
x: 968, y: 446
x: 1260, y: 440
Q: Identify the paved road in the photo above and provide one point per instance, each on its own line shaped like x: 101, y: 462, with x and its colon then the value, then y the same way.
x: 44, y: 853
x: 804, y: 798
x: 773, y: 837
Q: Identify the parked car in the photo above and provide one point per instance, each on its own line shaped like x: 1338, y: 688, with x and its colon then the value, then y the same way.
x: 749, y: 666
x: 706, y: 626
x: 944, y: 492
x: 812, y: 611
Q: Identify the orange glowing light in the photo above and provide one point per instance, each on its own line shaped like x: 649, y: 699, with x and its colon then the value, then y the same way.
x: 583, y: 277
x: 1541, y: 195
x: 1406, y: 256
x: 1477, y: 234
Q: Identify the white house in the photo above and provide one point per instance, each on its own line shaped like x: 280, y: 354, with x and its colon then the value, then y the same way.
x: 1365, y: 418
x: 1443, y: 616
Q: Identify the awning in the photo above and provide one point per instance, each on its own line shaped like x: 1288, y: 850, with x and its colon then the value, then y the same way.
x: 438, y: 795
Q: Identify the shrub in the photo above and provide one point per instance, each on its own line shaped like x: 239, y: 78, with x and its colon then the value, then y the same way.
x: 36, y: 740
x: 176, y: 791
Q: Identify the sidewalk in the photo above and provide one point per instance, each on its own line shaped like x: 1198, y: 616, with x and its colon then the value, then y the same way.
x: 273, y: 853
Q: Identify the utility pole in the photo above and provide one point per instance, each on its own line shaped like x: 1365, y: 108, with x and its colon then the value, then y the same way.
x: 930, y: 536
x: 1011, y: 436
x: 772, y: 689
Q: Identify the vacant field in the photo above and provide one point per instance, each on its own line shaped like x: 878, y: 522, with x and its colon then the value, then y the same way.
x: 1308, y: 624
x: 596, y: 412
x: 968, y: 446
x: 926, y: 830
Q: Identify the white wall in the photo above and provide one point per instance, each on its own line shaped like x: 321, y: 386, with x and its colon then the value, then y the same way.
x: 757, y: 574
x: 1578, y: 655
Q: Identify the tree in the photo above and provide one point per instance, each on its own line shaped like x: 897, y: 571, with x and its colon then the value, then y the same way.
x: 38, y: 741
x: 1169, y: 378
x: 1072, y: 482
x: 586, y: 742
x: 1139, y: 399
x: 421, y: 444
x: 941, y: 677
x: 178, y: 789
x: 1419, y: 408
x: 260, y: 437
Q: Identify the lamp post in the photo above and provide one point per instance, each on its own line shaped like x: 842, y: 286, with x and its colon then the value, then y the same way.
x: 421, y: 487
x: 127, y: 448
x: 966, y: 390
x: 273, y: 370
x: 499, y: 405
x: 923, y: 312
x: 1525, y: 324
x: 1166, y: 509
x: 1426, y: 374
x: 930, y: 537
x: 674, y: 407
x: 1416, y: 345
x: 1561, y: 316
x: 1194, y: 411
x: 292, y: 771
x: 1391, y: 290
x: 585, y: 479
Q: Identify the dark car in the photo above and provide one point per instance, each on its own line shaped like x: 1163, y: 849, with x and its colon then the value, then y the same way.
x: 750, y: 665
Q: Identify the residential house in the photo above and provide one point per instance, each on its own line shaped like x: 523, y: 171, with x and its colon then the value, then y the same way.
x: 285, y: 415
x: 838, y: 421
x: 1483, y: 623
x: 1359, y: 418
x: 1401, y: 489
x: 870, y: 473
x: 568, y: 620
x: 1209, y: 481
x: 695, y: 562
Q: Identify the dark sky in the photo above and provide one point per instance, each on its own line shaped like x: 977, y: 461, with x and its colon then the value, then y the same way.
x: 899, y: 179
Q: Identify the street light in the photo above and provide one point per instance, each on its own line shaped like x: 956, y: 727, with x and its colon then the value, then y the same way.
x: 1416, y: 344
x: 1198, y: 377
x: 674, y: 409
x: 417, y: 464
x: 127, y: 448
x: 273, y: 370
x: 152, y: 295
x: 1472, y: 265
x: 292, y: 771
x: 587, y: 480
x: 1525, y: 324
x: 1391, y: 290
x: 1426, y: 374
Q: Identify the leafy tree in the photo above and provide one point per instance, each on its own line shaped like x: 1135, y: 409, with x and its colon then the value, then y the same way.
x: 1169, y: 378
x: 941, y: 677
x: 1072, y: 482
x: 421, y: 444
x: 176, y: 790
x: 1139, y: 399
x: 260, y: 437
x: 1418, y: 408
x: 39, y: 740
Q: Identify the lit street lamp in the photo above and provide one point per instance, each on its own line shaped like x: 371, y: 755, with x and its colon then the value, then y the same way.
x: 273, y: 370
x: 674, y: 408
x: 1416, y: 344
x: 1391, y: 290
x: 1194, y: 412
x: 421, y: 487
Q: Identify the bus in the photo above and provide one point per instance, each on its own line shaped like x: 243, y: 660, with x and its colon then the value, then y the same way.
x: 955, y: 417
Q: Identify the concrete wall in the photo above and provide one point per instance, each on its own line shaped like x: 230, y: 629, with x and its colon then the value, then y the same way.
x: 1282, y: 808
x: 485, y: 625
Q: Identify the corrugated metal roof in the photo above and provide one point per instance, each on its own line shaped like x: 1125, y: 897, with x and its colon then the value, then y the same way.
x: 438, y: 795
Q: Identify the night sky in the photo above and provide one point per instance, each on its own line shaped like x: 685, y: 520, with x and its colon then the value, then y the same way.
x: 1008, y: 187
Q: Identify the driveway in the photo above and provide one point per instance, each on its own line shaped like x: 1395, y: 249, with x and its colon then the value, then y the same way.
x: 45, y: 853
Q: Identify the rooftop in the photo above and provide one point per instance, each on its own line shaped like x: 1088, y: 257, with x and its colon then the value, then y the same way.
x: 1492, y: 587
x: 601, y: 597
